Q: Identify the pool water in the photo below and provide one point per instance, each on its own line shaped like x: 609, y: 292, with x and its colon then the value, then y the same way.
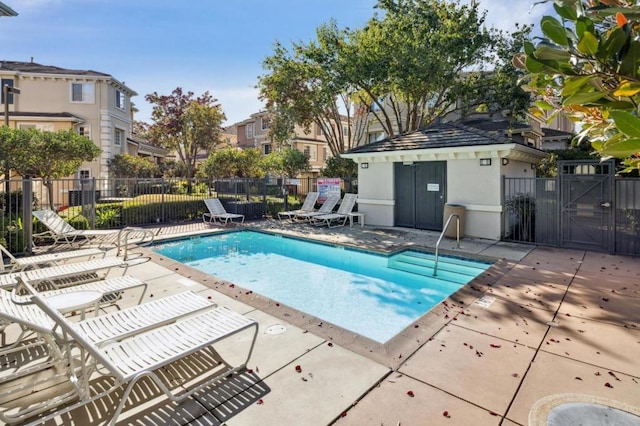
x: 368, y: 293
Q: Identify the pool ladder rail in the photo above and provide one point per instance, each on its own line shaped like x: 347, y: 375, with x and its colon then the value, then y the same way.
x: 446, y: 226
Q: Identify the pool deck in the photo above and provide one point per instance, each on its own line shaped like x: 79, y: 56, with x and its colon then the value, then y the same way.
x: 542, y: 322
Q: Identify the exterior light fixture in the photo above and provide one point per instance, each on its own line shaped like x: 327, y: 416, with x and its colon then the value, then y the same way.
x: 485, y: 161
x: 505, y: 161
x: 364, y: 165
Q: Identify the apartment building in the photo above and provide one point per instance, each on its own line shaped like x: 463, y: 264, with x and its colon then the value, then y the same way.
x: 254, y: 133
x: 95, y: 104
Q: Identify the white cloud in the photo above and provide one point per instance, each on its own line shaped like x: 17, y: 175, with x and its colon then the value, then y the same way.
x: 505, y: 14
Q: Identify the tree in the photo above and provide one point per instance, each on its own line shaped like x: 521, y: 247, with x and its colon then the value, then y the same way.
x: 587, y: 66
x: 186, y: 124
x: 233, y: 162
x: 128, y: 166
x: 50, y: 155
x: 340, y: 167
x: 404, y: 67
x: 287, y: 161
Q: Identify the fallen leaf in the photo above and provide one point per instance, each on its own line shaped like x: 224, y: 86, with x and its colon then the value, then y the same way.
x: 608, y: 385
x: 410, y: 393
x: 495, y: 346
x: 446, y: 414
x: 298, y: 369
x: 260, y: 402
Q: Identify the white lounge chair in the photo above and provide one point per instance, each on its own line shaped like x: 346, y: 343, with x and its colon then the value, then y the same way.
x: 60, y: 275
x: 138, y: 356
x: 49, y: 259
x: 326, y: 208
x: 62, y: 232
x: 109, y: 291
x: 98, y: 331
x: 307, y: 206
x: 341, y: 216
x: 217, y: 212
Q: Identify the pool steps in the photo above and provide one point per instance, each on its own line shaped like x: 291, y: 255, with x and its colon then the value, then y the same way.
x: 449, y: 268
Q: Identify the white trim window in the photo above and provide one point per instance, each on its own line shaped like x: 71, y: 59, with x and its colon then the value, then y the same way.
x: 120, y: 99
x: 40, y: 126
x: 84, y: 93
x: 118, y: 137
x: 84, y: 130
x: 84, y: 174
x: 265, y: 123
x: 266, y: 149
x: 249, y: 130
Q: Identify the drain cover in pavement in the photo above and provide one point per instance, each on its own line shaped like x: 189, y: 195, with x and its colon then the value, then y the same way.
x: 276, y: 329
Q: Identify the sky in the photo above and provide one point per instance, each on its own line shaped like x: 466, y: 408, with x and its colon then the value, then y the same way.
x: 199, y: 45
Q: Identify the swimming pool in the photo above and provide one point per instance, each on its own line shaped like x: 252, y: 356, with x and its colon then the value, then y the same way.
x: 368, y: 293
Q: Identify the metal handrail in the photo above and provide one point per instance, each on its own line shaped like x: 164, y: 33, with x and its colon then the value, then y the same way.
x: 446, y: 226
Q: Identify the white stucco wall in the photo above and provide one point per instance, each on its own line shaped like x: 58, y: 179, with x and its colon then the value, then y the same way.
x: 376, y: 196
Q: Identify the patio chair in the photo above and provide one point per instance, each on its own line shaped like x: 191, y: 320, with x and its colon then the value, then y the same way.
x: 98, y: 331
x: 218, y: 212
x: 307, y: 206
x: 65, y: 274
x: 326, y: 208
x: 43, y: 260
x: 108, y: 292
x: 141, y: 355
x: 62, y: 232
x: 341, y: 216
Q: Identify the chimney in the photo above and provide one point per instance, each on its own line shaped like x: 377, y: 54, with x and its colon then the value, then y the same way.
x: 32, y: 59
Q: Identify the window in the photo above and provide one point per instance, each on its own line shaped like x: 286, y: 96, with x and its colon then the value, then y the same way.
x: 324, y: 154
x: 376, y: 136
x: 265, y: 123
x: 8, y: 82
x: 249, y: 130
x: 266, y: 149
x: 40, y: 126
x: 118, y: 137
x: 318, y: 130
x: 119, y: 99
x: 311, y: 152
x: 345, y: 130
x: 84, y: 131
x: 375, y: 106
x: 84, y: 174
x: 83, y: 92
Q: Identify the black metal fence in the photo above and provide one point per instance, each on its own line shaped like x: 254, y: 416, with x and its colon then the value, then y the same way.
x: 533, y: 213
x: 115, y: 203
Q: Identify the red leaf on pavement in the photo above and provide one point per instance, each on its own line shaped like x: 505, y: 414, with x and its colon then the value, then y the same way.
x: 260, y: 402
x: 298, y: 369
x: 608, y: 385
x: 410, y: 393
x: 446, y: 414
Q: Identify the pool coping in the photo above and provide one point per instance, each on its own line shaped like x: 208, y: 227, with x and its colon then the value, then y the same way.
x: 392, y: 353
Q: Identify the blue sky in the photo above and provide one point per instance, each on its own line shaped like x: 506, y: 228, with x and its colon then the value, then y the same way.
x: 215, y: 45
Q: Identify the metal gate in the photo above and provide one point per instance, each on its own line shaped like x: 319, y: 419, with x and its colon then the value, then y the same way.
x: 586, y: 200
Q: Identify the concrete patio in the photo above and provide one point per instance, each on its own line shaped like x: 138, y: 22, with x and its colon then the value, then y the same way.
x: 540, y: 322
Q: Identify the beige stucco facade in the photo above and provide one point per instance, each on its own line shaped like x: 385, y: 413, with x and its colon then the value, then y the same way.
x: 94, y: 104
x: 468, y: 183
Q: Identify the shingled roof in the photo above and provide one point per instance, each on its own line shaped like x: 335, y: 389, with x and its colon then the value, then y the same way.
x: 32, y: 67
x: 445, y: 135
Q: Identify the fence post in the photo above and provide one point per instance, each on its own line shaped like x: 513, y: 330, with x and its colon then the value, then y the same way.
x: 27, y: 211
x: 163, y: 208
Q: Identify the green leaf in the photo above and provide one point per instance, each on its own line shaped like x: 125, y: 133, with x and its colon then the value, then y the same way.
x: 544, y: 105
x: 566, y: 12
x: 534, y: 66
x: 583, y: 98
x: 628, y: 88
x: 629, y: 66
x: 573, y: 84
x: 624, y: 148
x: 614, y: 42
x: 583, y: 25
x: 588, y: 43
x: 553, y: 29
x: 627, y: 123
x: 529, y: 48
x: 550, y: 53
